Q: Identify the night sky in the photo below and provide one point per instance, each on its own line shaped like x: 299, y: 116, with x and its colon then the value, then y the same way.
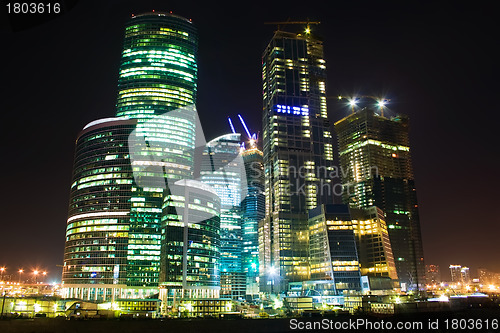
x: 436, y: 62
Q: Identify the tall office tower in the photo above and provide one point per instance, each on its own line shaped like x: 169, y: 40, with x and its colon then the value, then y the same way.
x: 123, y: 166
x: 190, y: 243
x: 298, y: 153
x: 376, y: 162
x: 333, y: 250
x: 456, y: 273
x: 222, y: 168
x: 252, y: 211
x: 157, y: 76
x: 97, y: 231
x: 158, y: 70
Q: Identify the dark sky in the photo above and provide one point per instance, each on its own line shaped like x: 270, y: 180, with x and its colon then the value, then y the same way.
x: 436, y: 62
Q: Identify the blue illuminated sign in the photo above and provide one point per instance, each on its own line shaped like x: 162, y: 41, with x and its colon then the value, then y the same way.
x: 296, y: 110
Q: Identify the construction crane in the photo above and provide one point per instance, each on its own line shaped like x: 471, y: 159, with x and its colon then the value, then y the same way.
x: 252, y: 138
x: 353, y: 101
x: 283, y: 23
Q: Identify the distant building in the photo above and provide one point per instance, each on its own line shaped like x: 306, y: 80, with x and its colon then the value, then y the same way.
x: 465, y: 272
x: 488, y: 277
x: 432, y: 274
x: 456, y: 273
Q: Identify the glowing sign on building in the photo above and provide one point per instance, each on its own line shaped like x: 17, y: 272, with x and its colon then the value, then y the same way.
x: 296, y: 110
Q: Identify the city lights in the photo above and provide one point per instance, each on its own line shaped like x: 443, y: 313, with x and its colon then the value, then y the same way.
x: 163, y: 222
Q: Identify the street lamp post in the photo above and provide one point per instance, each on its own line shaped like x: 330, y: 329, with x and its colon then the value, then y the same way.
x: 20, y: 272
x: 35, y: 273
x: 2, y: 270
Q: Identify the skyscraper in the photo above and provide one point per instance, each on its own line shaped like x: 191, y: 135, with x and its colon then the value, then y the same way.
x: 252, y: 211
x: 333, y: 250
x: 158, y: 70
x: 374, y: 247
x: 376, y: 166
x: 158, y: 74
x: 190, y: 243
x: 97, y: 230
x: 124, y: 166
x: 222, y: 168
x: 298, y: 152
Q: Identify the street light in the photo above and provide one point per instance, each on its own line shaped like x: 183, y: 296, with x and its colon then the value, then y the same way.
x: 20, y: 272
x: 35, y: 273
x: 2, y: 270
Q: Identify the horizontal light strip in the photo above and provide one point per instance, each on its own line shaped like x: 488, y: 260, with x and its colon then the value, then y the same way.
x: 101, y: 214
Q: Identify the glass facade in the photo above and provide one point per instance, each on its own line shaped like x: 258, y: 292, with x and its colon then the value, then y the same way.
x: 376, y: 162
x: 374, y: 246
x: 252, y: 211
x: 298, y: 153
x: 156, y: 92
x: 158, y: 70
x: 190, y: 265
x: 97, y: 230
x: 222, y: 168
x: 333, y: 250
x: 158, y: 74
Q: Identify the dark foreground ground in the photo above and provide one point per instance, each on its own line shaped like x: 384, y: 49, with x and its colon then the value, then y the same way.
x: 474, y: 320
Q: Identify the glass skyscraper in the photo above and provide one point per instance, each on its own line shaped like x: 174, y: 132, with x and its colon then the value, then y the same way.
x: 97, y: 230
x: 298, y: 153
x: 158, y: 74
x: 158, y: 70
x: 376, y: 162
x: 190, y: 264
x: 128, y: 169
x: 252, y: 211
x: 222, y: 168
x: 333, y: 249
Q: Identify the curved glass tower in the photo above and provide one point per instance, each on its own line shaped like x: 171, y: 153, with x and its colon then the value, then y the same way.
x: 156, y: 86
x: 158, y: 71
x: 121, y: 175
x: 99, y: 211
